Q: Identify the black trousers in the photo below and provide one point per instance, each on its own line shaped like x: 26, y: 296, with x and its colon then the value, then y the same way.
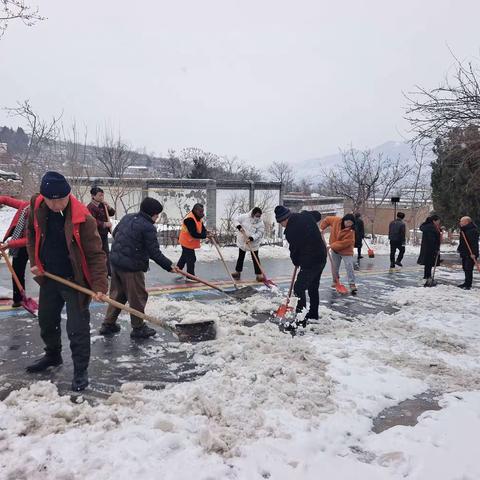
x: 467, y: 265
x: 241, y: 259
x: 107, y: 253
x: 359, y: 251
x: 189, y: 258
x: 53, y: 297
x: 19, y: 264
x: 427, y: 270
x: 308, y: 279
x: 394, y: 246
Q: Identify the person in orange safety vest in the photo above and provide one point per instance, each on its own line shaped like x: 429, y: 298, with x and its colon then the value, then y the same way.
x: 193, y: 230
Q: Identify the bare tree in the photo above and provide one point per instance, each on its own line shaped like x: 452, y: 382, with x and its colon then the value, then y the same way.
x: 456, y: 103
x: 176, y: 167
x: 41, y: 134
x: 353, y: 179
x: 282, y: 172
x: 11, y: 10
x: 421, y: 190
x: 363, y: 177
x: 113, y: 155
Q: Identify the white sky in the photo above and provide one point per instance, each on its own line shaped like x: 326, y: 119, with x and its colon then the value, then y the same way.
x: 261, y: 79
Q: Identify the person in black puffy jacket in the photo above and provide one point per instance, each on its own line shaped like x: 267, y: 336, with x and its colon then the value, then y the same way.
x: 134, y: 244
x: 307, y: 251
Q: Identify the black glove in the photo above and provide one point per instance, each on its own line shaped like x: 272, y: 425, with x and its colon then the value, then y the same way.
x: 239, y: 227
x: 250, y: 238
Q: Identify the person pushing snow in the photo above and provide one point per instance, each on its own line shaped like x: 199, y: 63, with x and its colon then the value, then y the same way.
x: 250, y: 233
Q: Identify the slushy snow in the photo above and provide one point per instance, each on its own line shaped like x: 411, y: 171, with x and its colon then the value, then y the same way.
x: 272, y: 406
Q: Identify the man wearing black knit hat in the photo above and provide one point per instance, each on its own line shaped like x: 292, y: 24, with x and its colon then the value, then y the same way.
x: 307, y: 251
x: 134, y: 244
x: 62, y: 239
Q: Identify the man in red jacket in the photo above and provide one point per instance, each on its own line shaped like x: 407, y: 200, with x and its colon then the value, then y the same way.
x: 63, y: 240
x: 16, y: 240
x: 98, y: 209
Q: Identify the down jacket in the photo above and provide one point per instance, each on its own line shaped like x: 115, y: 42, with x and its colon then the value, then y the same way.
x: 342, y: 240
x: 134, y: 243
x: 254, y: 227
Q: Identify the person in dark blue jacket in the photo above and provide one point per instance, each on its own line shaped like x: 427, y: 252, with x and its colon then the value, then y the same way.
x: 134, y: 244
x: 307, y: 251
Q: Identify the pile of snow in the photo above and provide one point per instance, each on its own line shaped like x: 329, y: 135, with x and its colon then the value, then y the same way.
x: 271, y: 406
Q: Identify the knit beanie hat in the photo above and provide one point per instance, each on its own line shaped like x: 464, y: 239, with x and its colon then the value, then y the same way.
x: 54, y: 185
x: 317, y: 216
x: 150, y: 206
x: 281, y: 213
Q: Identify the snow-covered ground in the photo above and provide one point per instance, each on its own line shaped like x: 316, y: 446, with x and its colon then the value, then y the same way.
x: 272, y: 406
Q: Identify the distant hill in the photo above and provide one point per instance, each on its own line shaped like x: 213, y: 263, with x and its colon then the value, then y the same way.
x: 312, y: 168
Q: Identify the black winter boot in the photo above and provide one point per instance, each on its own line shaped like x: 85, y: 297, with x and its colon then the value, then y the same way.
x: 109, y: 329
x: 48, y: 360
x: 80, y: 380
x: 142, y: 332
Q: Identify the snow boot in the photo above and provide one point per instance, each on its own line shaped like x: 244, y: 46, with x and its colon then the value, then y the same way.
x: 80, y: 380
x: 290, y: 327
x: 109, y: 328
x: 190, y: 280
x: 398, y: 263
x: 430, y: 282
x: 236, y: 275
x: 356, y: 266
x: 259, y: 278
x: 353, y: 289
x: 16, y: 304
x: 142, y: 332
x: 48, y: 360
x: 464, y: 287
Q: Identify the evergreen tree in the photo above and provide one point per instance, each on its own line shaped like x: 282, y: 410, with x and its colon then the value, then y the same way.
x: 456, y: 176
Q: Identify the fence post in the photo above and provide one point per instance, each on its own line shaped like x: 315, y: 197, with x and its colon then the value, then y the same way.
x: 212, y: 204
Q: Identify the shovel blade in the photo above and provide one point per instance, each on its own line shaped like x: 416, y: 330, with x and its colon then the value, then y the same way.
x: 282, y: 311
x: 340, y: 288
x: 196, y: 332
x: 242, y: 293
x: 371, y: 253
x: 29, y: 304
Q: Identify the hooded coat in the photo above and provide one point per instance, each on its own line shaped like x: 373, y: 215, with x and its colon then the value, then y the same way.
x: 430, y: 246
x: 254, y: 227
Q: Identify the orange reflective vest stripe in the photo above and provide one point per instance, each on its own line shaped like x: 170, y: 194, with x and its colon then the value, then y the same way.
x: 185, y: 239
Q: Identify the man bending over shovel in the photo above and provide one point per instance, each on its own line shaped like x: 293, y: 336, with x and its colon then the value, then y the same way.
x: 135, y: 242
x: 308, y: 252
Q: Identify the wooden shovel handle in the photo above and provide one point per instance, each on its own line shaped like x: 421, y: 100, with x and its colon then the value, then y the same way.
x: 112, y: 302
x: 254, y: 255
x: 12, y: 271
x: 215, y: 243
x: 108, y: 217
x: 208, y: 284
x: 470, y: 249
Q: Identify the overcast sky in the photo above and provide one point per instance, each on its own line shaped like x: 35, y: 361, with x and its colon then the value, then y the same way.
x: 260, y: 79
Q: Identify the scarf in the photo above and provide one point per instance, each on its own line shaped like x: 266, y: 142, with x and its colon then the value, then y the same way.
x: 19, y: 231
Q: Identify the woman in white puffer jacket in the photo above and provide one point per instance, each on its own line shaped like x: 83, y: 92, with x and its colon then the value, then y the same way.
x: 250, y: 228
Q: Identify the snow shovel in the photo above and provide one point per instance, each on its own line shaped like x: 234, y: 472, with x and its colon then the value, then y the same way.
x: 185, y: 332
x: 371, y: 253
x: 243, y: 292
x: 268, y: 283
x: 477, y: 264
x: 29, y: 304
x: 339, y: 287
x: 284, y: 308
x: 432, y: 282
x: 208, y: 284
